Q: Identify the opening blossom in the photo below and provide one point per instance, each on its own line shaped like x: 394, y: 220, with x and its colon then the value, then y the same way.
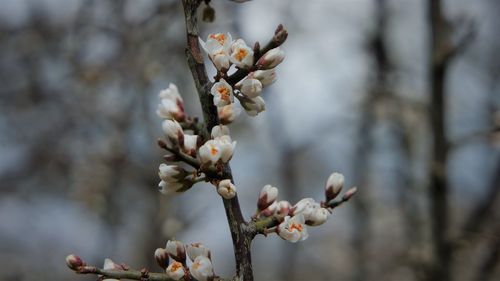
x: 202, y: 269
x: 228, y: 113
x: 250, y: 87
x: 175, y: 270
x: 218, y: 47
x: 176, y: 250
x: 197, y: 249
x: 222, y: 92
x: 241, y: 54
x: 293, y: 229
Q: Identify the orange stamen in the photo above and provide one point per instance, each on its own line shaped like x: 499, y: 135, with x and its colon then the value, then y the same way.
x: 214, y: 151
x: 241, y: 54
x: 175, y: 266
x: 220, y: 37
x: 224, y: 94
x: 297, y: 226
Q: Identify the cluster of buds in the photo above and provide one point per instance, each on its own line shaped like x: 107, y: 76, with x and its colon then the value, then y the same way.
x: 307, y: 212
x: 210, y: 153
x: 225, y: 52
x: 199, y: 265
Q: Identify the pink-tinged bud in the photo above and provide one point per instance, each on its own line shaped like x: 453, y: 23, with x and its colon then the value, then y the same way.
x: 283, y: 208
x: 267, y: 196
x: 333, y: 186
x: 228, y: 113
x: 74, y: 262
x: 197, y: 249
x: 271, y: 59
x: 349, y: 193
x: 176, y: 250
x: 175, y: 270
x: 173, y: 131
x: 161, y: 257
x: 202, y: 269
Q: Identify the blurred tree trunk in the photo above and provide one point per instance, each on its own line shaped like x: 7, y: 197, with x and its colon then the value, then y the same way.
x: 438, y: 185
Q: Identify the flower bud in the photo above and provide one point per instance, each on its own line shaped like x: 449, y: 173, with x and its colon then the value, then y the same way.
x: 176, y: 250
x: 175, y: 270
x: 171, y: 105
x: 333, y: 186
x: 173, y: 131
x: 267, y: 196
x: 318, y: 217
x: 250, y: 87
x: 283, y: 208
x: 111, y: 265
x: 271, y: 59
x: 161, y: 257
x: 349, y: 193
x: 74, y: 262
x: 266, y: 77
x: 226, y: 189
x: 190, y: 144
x: 219, y: 131
x: 228, y: 113
x: 197, y: 249
x: 171, y: 173
x: 202, y: 269
x: 168, y: 188
x: 253, y: 106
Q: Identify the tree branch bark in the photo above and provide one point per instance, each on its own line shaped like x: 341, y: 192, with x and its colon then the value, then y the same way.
x: 237, y: 224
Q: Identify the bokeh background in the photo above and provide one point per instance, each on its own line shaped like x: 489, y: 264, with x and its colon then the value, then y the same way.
x: 78, y: 162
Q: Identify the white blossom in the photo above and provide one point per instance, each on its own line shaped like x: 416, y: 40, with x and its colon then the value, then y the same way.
x: 271, y: 59
x: 175, y: 270
x: 312, y: 211
x: 218, y: 46
x: 318, y: 217
x: 226, y: 189
x: 171, y: 104
x: 293, y: 229
x: 210, y: 152
x: 202, y: 268
x: 241, y: 54
x: 250, y: 87
x: 197, y: 249
x: 222, y: 92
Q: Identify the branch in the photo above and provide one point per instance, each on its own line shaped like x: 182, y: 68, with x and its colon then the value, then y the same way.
x: 124, y: 274
x: 237, y: 224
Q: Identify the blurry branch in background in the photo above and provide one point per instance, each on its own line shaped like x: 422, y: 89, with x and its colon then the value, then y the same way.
x: 442, y: 49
